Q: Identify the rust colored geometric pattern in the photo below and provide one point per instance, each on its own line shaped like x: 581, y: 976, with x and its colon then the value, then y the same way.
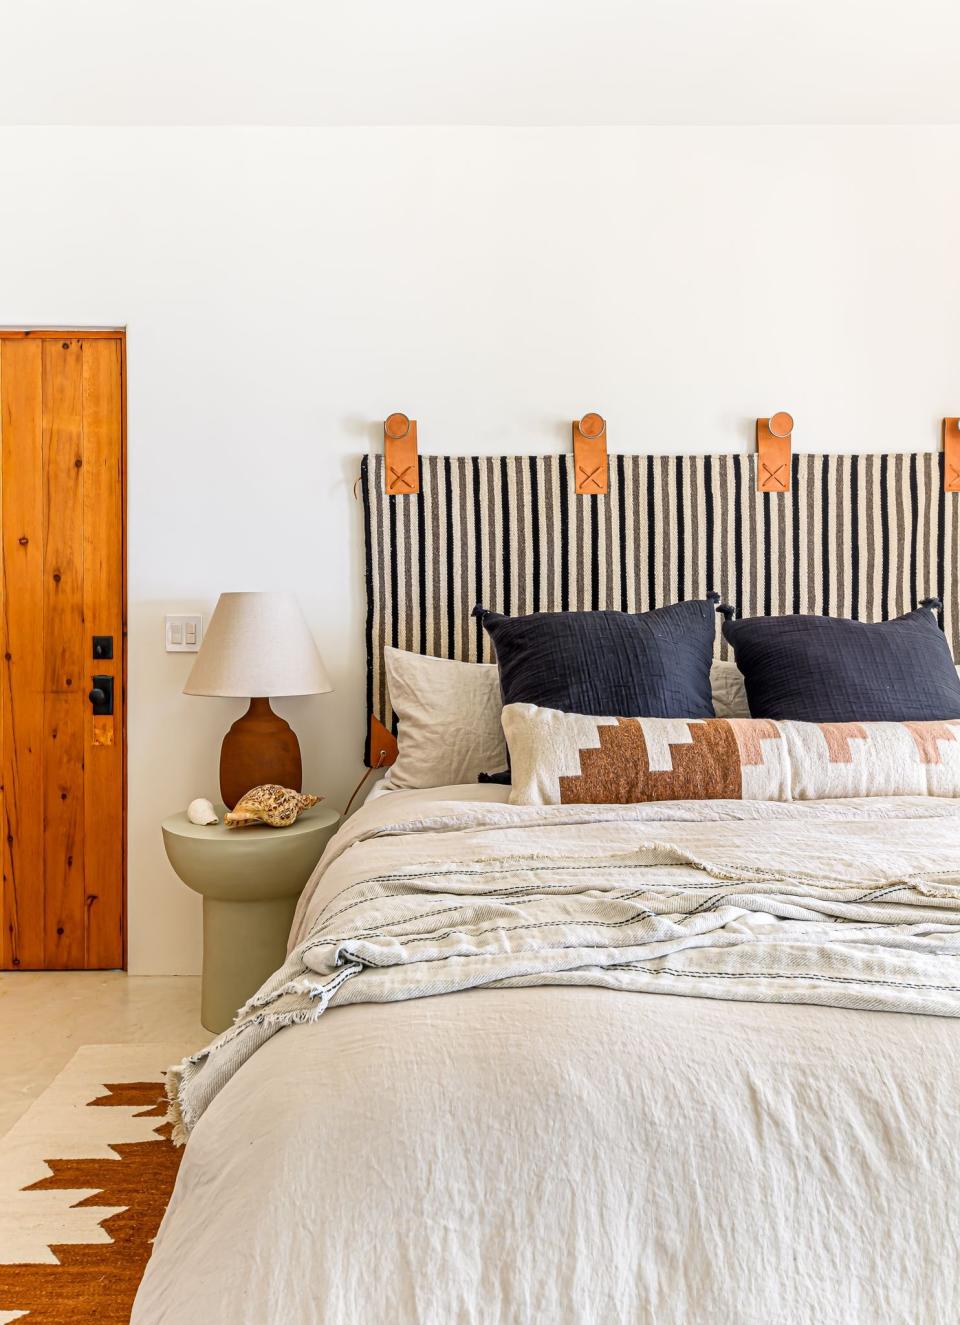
x: 751, y: 734
x: 838, y: 736
x: 619, y: 770
x: 569, y: 758
x: 928, y: 737
x: 95, y: 1283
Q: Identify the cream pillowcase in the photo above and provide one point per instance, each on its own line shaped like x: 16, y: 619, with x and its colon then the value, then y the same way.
x: 449, y: 720
x: 729, y: 692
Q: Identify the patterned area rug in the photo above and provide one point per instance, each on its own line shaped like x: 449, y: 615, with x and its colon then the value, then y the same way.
x: 85, y: 1176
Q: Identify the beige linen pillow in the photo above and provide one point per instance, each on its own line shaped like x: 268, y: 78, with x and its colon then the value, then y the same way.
x: 729, y: 694
x: 449, y: 720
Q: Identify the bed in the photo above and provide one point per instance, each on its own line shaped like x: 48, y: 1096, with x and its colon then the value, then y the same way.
x: 573, y: 1151
x: 694, y: 1061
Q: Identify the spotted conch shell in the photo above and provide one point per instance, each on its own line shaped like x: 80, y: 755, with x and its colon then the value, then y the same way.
x: 270, y: 804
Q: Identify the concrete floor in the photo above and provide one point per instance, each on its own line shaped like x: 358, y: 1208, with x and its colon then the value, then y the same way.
x: 45, y: 1016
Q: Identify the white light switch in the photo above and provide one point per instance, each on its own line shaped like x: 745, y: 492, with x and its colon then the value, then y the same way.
x: 183, y: 634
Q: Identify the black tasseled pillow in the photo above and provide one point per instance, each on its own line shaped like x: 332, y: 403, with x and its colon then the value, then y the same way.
x: 609, y: 664
x: 830, y: 669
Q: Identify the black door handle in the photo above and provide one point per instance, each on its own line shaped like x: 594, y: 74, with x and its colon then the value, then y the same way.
x: 101, y: 696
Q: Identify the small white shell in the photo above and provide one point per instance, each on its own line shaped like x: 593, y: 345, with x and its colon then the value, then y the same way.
x: 200, y: 811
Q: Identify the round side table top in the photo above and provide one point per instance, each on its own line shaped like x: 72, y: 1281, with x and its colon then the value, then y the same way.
x: 318, y: 818
x: 248, y: 864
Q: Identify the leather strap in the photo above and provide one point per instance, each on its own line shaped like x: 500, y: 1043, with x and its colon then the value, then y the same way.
x: 401, y: 467
x: 774, y: 449
x: 951, y: 455
x: 590, y: 469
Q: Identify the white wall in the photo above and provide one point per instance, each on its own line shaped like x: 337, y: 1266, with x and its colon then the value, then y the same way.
x: 285, y: 289
x: 501, y: 62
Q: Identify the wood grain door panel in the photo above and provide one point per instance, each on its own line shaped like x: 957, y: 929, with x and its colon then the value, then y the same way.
x: 104, y: 608
x: 21, y: 494
x: 62, y: 544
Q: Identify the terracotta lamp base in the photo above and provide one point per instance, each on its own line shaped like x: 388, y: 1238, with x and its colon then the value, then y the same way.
x: 260, y: 747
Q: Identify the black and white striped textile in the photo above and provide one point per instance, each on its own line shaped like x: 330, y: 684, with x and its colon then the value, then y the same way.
x: 864, y: 536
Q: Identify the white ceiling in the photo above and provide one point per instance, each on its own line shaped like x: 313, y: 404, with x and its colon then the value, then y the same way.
x: 523, y: 62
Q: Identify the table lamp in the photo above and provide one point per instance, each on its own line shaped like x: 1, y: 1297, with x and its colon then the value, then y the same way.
x: 258, y: 645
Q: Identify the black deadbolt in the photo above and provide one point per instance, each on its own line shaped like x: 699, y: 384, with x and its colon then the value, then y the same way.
x: 103, y: 646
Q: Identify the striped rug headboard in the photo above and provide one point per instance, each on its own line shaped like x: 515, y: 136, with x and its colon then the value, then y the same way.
x: 858, y: 535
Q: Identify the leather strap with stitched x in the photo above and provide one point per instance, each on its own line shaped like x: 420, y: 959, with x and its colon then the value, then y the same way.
x: 773, y: 475
x: 401, y: 476
x: 590, y: 477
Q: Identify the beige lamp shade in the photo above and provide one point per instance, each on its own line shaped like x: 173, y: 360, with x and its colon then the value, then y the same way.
x: 258, y: 644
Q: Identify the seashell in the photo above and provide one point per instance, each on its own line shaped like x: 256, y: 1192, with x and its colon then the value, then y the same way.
x: 201, y: 811
x: 270, y: 804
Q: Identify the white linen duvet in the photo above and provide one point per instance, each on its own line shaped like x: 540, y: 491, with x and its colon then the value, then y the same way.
x: 473, y: 1094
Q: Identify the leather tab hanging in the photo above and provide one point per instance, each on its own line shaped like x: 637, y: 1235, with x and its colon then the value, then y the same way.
x: 401, y: 466
x: 591, y: 477
x: 951, y: 455
x: 774, y: 445
x: 383, y: 745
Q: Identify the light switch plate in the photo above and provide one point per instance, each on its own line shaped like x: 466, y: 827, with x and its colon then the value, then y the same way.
x: 183, y: 634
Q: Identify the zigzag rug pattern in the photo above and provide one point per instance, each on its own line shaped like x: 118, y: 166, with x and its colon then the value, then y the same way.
x: 85, y: 1177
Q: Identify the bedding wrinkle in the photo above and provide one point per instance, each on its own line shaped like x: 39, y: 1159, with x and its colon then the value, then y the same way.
x: 576, y: 1156
x: 540, y: 904
x: 645, y: 1063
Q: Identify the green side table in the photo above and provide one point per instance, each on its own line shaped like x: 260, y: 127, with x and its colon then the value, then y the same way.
x: 249, y: 879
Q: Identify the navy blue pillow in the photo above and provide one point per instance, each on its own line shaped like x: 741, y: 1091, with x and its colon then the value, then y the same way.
x: 830, y: 669
x: 609, y: 664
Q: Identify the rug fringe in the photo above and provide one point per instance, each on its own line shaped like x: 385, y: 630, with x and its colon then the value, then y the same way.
x: 178, y: 1128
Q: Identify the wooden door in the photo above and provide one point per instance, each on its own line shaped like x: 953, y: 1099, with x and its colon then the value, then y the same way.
x: 61, y: 584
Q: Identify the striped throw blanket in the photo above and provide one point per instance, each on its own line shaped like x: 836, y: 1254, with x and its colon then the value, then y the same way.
x: 851, y: 903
